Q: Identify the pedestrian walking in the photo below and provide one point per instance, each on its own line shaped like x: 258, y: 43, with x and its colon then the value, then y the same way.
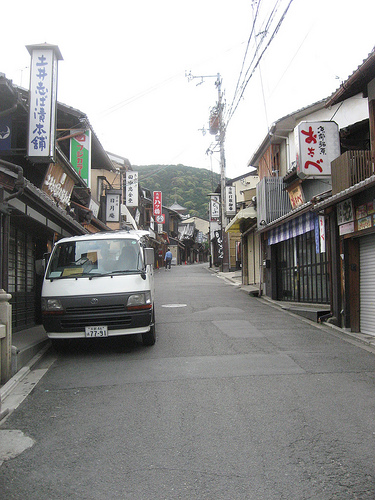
x: 168, y: 259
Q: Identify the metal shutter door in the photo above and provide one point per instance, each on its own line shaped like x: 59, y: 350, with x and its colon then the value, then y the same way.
x: 367, y: 284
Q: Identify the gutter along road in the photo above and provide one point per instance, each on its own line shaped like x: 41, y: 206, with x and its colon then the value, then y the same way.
x: 238, y: 399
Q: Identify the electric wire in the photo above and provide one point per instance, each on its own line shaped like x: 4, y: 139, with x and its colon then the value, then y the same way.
x: 245, y: 55
x: 149, y: 90
x: 252, y: 69
x: 263, y: 30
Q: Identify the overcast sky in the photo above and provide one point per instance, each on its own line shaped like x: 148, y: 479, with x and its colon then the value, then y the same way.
x: 125, y: 62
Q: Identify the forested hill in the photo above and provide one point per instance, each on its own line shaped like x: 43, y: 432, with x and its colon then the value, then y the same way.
x: 187, y: 186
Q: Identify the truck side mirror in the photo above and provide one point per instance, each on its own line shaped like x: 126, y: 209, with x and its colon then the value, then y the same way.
x: 149, y: 256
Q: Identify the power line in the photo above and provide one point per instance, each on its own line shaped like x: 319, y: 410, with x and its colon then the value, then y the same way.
x: 245, y: 82
x: 245, y: 55
x: 263, y: 31
x: 145, y: 92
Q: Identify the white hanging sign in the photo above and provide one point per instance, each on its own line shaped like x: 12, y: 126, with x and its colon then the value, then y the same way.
x: 317, y: 145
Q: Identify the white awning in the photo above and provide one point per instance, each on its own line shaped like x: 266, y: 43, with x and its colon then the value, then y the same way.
x: 245, y: 213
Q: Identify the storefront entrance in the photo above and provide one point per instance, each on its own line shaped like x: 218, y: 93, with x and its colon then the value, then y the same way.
x: 21, y: 278
x: 301, y: 272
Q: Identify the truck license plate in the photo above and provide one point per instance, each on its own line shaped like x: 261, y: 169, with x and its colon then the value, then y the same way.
x: 96, y: 331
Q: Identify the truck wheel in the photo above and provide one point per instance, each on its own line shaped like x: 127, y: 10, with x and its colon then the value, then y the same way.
x: 149, y: 338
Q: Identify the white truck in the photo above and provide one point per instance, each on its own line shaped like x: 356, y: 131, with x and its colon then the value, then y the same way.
x: 100, y: 285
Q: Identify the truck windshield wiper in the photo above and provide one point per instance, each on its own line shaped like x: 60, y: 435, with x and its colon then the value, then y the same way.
x: 114, y: 272
x: 72, y: 275
x: 99, y: 275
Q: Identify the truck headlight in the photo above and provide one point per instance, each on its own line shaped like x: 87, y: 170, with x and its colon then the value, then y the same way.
x: 52, y: 306
x: 139, y: 301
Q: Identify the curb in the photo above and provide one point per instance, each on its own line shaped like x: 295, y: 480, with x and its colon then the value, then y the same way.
x: 7, y: 388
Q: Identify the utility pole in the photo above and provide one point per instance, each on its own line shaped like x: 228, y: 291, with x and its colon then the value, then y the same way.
x: 217, y: 128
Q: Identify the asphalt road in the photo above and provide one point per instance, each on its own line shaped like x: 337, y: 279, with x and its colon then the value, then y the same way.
x: 238, y: 399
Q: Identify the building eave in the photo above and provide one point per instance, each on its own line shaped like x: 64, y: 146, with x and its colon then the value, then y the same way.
x: 345, y: 194
x: 357, y: 81
x: 281, y: 128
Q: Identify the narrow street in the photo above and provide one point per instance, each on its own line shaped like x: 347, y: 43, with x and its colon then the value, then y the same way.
x: 238, y: 399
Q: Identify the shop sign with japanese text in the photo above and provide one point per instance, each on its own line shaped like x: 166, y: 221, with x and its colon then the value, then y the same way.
x: 42, y: 113
x: 112, y: 207
x: 214, y: 207
x: 80, y: 153
x: 345, y: 212
x: 317, y: 145
x: 345, y: 217
x: 322, y: 233
x: 230, y: 200
x: 364, y: 215
x: 351, y: 219
x: 157, y: 205
x: 219, y: 244
x: 131, y: 192
x: 296, y: 195
x: 58, y: 185
x: 160, y: 219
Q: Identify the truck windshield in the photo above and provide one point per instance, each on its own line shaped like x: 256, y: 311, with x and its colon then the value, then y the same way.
x: 94, y: 258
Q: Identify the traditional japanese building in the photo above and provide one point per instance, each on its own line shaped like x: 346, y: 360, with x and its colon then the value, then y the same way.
x: 350, y: 211
x: 41, y: 198
x: 294, y: 262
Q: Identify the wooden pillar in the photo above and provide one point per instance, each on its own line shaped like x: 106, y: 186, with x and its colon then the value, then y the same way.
x: 353, y: 286
x: 333, y: 248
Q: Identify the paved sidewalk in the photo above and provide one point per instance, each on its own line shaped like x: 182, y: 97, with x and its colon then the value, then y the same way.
x: 301, y: 309
x: 28, y: 348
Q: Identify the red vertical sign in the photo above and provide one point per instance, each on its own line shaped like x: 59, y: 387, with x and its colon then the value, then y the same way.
x: 157, y: 203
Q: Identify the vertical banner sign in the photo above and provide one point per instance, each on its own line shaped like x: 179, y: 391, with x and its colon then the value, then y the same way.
x: 230, y: 200
x: 157, y: 205
x: 322, y: 234
x: 214, y: 208
x: 43, y: 95
x: 219, y: 243
x: 317, y: 145
x: 112, y: 207
x: 80, y: 153
x: 131, y: 192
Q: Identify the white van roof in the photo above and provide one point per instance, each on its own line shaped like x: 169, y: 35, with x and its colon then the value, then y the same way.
x: 107, y: 235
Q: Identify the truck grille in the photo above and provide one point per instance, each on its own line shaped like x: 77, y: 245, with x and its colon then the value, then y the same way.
x: 114, y: 316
